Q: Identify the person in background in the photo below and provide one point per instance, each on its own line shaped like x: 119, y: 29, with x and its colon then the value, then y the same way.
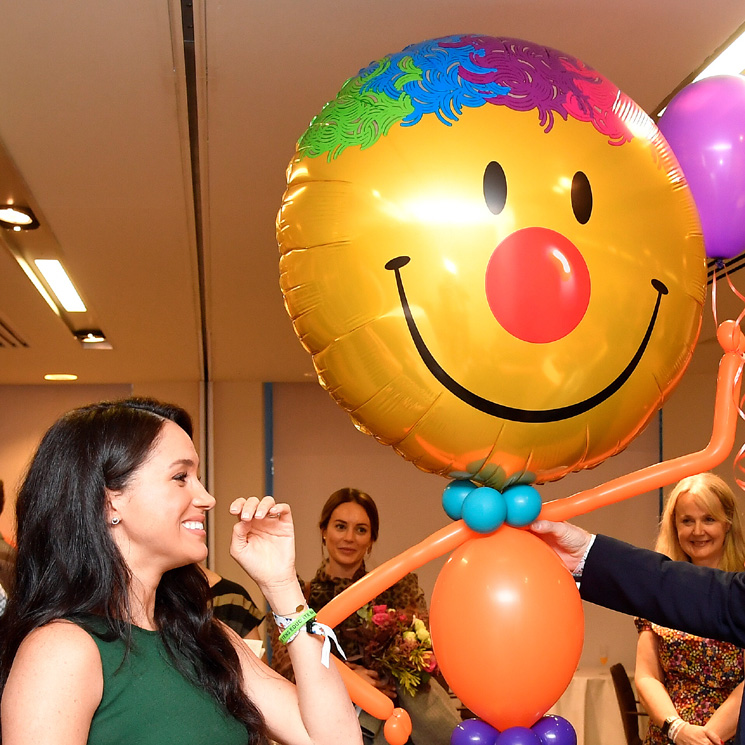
x: 701, y: 600
x: 7, y: 555
x: 349, y: 526
x: 680, y: 676
x: 232, y: 605
x: 109, y: 636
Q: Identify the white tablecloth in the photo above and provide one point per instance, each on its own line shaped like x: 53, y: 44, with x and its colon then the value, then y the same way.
x: 590, y: 704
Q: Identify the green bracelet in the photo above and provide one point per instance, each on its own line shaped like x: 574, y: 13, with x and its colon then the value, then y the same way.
x: 291, y: 631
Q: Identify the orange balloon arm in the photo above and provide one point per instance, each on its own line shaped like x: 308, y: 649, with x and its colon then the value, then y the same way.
x: 398, y: 724
x: 397, y: 721
x: 381, y: 578
x: 726, y: 413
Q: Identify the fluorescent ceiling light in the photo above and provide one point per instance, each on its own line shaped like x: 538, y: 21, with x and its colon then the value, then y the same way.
x: 60, y: 284
x: 36, y: 282
x: 60, y: 376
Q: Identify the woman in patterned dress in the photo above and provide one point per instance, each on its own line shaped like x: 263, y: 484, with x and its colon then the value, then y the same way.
x: 349, y: 526
x: 679, y: 675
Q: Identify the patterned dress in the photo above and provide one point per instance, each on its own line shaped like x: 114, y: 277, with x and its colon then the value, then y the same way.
x: 406, y: 593
x: 699, y: 674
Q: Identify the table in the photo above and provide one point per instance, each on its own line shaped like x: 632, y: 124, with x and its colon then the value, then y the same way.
x: 590, y: 704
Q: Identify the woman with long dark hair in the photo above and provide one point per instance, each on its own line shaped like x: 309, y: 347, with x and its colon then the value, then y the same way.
x: 109, y: 636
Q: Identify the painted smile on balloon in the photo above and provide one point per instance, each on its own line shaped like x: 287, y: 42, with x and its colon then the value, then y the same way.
x: 508, y: 412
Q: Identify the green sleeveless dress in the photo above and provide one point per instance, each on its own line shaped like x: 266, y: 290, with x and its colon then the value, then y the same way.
x: 147, y: 701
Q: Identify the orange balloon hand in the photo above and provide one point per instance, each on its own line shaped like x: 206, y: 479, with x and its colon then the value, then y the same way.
x: 730, y: 337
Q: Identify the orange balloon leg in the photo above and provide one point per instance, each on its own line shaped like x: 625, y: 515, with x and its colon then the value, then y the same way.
x: 397, y: 728
x: 363, y: 694
x: 398, y: 724
x: 661, y: 474
x: 507, y: 627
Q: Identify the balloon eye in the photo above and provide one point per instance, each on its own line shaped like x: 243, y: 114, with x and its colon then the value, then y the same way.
x: 581, y: 197
x: 495, y: 187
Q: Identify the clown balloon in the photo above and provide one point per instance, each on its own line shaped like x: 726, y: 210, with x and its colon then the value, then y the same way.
x: 490, y: 253
x: 497, y: 265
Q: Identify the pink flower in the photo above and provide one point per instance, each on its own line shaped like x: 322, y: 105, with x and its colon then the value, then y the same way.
x: 380, y: 609
x: 430, y: 663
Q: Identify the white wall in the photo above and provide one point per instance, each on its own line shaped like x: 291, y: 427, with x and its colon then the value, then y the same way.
x: 238, y: 466
x: 27, y: 412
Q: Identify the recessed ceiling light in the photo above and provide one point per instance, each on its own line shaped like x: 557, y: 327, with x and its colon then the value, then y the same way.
x: 90, y: 337
x: 13, y: 217
x: 60, y: 376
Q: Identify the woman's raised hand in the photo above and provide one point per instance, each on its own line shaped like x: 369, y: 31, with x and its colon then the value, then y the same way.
x: 263, y: 541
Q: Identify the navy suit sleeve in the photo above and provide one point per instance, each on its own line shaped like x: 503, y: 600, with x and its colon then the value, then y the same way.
x: 676, y: 594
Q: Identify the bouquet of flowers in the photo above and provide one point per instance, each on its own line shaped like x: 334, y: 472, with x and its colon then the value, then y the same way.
x: 395, y: 643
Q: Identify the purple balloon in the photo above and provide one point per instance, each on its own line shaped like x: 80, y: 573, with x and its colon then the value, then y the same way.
x: 518, y: 736
x: 705, y: 126
x: 553, y: 730
x: 474, y: 732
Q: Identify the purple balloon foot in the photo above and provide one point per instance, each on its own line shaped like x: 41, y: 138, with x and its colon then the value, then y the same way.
x: 518, y: 736
x: 553, y: 730
x: 474, y: 732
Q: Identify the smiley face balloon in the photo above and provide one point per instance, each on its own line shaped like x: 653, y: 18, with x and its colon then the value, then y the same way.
x: 493, y: 257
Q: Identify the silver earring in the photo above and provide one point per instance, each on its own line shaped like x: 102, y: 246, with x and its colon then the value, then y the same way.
x: 115, y: 520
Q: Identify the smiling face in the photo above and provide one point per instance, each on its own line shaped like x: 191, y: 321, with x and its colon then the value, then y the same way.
x: 507, y: 298
x: 347, y: 538
x: 162, y: 508
x: 700, y: 534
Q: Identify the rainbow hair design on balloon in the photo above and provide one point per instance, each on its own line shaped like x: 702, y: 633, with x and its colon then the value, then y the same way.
x: 442, y: 76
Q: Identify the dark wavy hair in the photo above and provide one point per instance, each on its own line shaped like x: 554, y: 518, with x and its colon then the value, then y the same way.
x: 69, y: 566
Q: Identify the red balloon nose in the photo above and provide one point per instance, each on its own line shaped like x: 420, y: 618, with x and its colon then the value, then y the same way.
x: 537, y: 285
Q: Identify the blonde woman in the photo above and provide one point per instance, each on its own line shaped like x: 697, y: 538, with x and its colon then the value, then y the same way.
x: 692, y: 687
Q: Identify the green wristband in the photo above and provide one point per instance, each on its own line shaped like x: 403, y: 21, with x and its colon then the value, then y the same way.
x: 289, y: 633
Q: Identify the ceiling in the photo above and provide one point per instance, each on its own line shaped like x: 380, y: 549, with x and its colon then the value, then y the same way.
x: 164, y: 212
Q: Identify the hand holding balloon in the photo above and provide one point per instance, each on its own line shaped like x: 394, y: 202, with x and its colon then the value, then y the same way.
x: 568, y: 541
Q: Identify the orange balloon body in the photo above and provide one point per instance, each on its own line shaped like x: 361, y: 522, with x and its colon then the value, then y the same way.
x: 507, y: 627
